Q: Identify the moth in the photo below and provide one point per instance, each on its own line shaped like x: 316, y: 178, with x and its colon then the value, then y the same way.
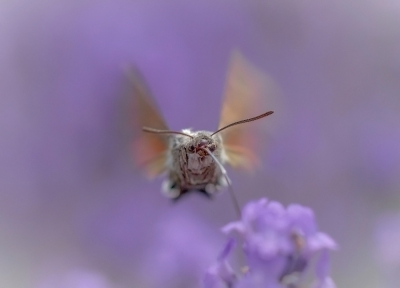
x: 193, y: 160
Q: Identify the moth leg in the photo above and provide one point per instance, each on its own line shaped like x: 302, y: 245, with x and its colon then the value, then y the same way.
x: 211, y: 188
x: 170, y: 189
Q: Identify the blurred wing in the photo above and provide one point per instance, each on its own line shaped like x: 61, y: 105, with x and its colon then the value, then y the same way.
x: 244, y: 97
x: 149, y: 150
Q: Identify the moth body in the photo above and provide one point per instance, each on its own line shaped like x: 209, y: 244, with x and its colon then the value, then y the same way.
x: 193, y: 160
x: 189, y: 166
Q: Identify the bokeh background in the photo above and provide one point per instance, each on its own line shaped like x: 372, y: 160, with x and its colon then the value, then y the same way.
x: 74, y: 212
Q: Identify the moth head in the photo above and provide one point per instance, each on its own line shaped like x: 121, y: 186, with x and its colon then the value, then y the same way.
x: 200, y: 144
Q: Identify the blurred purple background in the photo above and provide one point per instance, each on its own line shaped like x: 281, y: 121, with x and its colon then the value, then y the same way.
x: 73, y: 210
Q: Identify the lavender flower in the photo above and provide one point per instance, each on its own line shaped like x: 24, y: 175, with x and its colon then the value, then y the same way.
x: 279, y: 245
x: 221, y: 273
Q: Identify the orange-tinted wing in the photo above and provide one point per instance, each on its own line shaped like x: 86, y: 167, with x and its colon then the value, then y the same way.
x: 149, y: 150
x: 244, y: 97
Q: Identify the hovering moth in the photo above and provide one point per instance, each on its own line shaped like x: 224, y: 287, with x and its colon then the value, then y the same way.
x: 193, y: 160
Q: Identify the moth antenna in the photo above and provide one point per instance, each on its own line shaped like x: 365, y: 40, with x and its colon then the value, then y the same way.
x: 243, y: 121
x: 230, y: 189
x: 156, y: 131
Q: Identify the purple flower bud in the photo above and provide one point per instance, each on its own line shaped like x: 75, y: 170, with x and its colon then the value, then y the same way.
x: 221, y: 274
x: 279, y: 245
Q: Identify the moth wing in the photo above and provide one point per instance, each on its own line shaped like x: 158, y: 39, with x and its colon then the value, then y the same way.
x: 244, y: 97
x: 149, y: 149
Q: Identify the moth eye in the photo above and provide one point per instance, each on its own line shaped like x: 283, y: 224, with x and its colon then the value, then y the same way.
x: 212, y: 147
x: 191, y: 148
